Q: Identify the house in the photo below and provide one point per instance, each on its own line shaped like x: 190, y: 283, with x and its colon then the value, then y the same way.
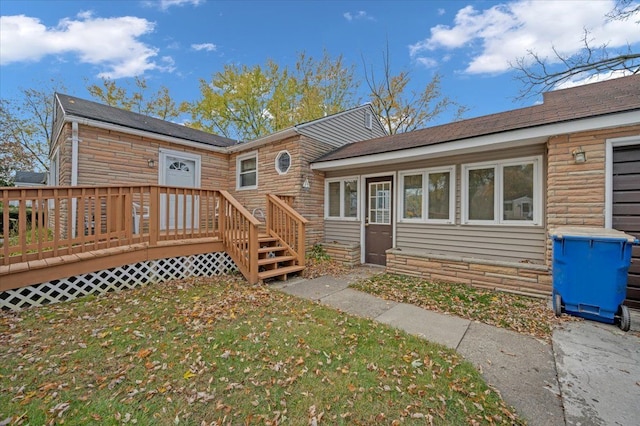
x: 94, y: 144
x: 475, y: 200
x: 30, y: 178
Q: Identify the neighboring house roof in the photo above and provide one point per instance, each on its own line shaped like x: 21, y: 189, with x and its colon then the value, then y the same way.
x: 83, y: 108
x: 32, y: 178
x: 561, y: 106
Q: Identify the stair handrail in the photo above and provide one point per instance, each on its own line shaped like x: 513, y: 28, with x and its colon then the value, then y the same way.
x: 294, y: 241
x: 239, y: 234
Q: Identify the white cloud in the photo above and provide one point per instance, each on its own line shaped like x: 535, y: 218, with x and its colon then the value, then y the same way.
x: 209, y: 47
x: 427, y: 62
x: 361, y: 14
x: 166, y: 4
x: 501, y: 34
x: 109, y: 43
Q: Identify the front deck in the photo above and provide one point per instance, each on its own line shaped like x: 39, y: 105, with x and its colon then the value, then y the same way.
x: 58, y: 232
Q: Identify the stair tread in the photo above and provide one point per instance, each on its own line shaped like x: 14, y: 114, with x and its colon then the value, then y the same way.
x: 271, y: 249
x: 279, y: 271
x: 277, y: 259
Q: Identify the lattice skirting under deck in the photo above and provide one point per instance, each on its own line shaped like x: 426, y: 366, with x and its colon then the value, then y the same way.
x: 115, y: 279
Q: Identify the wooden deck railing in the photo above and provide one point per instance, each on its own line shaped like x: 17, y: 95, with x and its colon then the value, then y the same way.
x: 43, y: 223
x: 239, y: 233
x: 286, y: 224
x: 40, y: 223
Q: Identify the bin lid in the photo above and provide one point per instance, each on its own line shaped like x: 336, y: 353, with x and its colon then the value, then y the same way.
x: 584, y: 231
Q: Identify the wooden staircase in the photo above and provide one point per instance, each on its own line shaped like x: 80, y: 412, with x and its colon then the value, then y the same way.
x: 275, y: 260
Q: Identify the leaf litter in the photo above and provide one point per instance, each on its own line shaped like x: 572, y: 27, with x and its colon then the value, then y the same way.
x: 217, y: 351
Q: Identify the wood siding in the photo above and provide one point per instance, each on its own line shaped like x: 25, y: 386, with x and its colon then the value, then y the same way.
x: 309, y: 203
x: 342, y: 231
x: 344, y: 128
x: 507, y: 243
x: 512, y: 243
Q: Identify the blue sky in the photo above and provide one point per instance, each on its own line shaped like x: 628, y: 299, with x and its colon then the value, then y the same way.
x: 176, y: 43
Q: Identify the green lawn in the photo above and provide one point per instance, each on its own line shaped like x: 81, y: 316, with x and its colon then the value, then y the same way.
x: 217, y: 351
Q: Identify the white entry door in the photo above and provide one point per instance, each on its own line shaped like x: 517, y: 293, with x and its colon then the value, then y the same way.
x: 184, y: 171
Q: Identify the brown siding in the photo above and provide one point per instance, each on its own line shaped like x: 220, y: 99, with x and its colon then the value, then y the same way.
x: 309, y: 203
x: 576, y: 192
x: 107, y: 157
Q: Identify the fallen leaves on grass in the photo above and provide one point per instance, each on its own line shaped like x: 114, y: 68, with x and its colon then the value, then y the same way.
x: 315, y: 268
x: 523, y: 314
x: 219, y: 351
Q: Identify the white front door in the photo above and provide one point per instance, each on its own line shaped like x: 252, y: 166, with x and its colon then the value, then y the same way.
x: 182, y: 170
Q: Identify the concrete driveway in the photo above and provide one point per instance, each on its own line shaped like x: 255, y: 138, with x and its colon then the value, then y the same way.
x: 598, y: 369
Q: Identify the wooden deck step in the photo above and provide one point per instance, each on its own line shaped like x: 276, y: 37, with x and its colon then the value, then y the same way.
x: 266, y: 239
x: 262, y: 250
x: 279, y: 272
x: 276, y: 259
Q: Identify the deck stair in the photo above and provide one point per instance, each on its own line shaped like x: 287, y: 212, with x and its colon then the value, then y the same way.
x: 275, y: 260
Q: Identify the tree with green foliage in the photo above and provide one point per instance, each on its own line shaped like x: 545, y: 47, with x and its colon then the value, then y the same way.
x: 25, y: 131
x: 400, y: 109
x: 159, y: 105
x: 246, y: 103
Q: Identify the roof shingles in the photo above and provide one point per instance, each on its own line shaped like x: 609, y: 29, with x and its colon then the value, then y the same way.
x: 612, y: 96
x: 95, y: 111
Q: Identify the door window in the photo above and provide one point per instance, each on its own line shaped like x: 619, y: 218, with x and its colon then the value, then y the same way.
x: 380, y: 203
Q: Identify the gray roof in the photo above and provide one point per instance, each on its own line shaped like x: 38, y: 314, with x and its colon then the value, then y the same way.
x: 31, y: 177
x: 78, y: 107
x: 591, y: 100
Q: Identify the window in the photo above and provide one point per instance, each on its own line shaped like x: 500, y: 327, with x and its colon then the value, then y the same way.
x: 506, y: 192
x: 342, y: 199
x: 247, y: 171
x: 179, y: 165
x: 428, y: 195
x: 283, y: 162
x: 368, y: 120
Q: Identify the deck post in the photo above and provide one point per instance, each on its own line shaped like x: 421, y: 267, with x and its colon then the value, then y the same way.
x: 154, y: 215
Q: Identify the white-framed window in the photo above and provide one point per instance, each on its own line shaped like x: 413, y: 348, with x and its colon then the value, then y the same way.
x: 247, y: 171
x: 503, y: 192
x: 368, y: 120
x: 428, y: 195
x: 283, y: 162
x: 342, y: 199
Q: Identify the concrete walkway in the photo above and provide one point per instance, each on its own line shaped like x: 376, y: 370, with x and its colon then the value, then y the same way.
x: 589, y: 376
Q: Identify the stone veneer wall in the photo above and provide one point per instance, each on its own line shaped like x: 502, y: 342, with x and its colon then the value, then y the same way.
x: 576, y: 192
x: 521, y: 278
x: 346, y: 254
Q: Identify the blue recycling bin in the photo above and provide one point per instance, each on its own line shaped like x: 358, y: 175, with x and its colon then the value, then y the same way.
x: 590, y: 268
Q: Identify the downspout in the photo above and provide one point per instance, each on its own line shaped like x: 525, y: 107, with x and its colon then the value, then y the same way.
x: 74, y: 174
